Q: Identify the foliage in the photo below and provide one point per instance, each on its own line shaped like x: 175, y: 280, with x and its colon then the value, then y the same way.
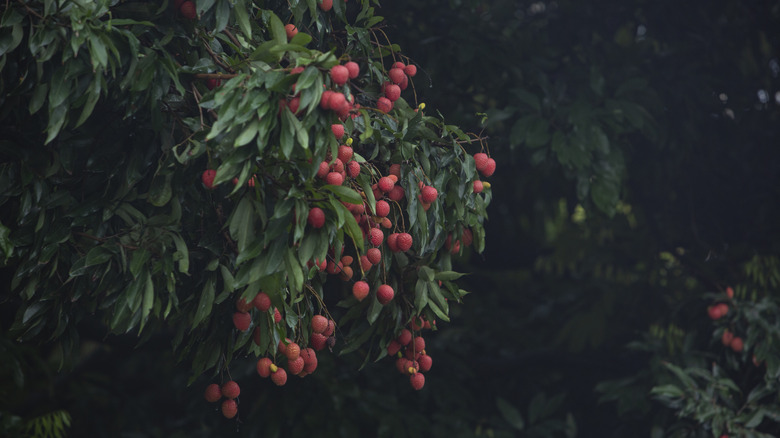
x: 109, y: 126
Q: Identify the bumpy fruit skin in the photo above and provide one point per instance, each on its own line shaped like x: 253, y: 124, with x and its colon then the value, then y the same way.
x: 331, y: 328
x: 295, y: 366
x: 262, y: 302
x: 326, y: 5
x: 404, y: 242
x: 291, y: 30
x: 187, y: 10
x: 319, y: 324
x: 385, y: 184
x: 396, y: 194
x: 419, y: 344
x: 480, y: 161
x: 384, y: 105
x: 292, y: 351
x: 339, y: 74
x: 393, y: 92
x: 277, y: 316
x: 242, y: 321
x: 264, y: 367
x: 208, y: 178
x: 376, y: 236
x: 405, y: 337
x: 429, y: 194
x: 392, y: 242
x: 737, y: 344
x: 243, y: 306
x: 336, y: 128
x: 410, y: 70
x: 490, y: 167
x: 478, y: 187
x: 334, y: 178
x: 726, y: 338
x: 353, y: 169
x: 337, y: 101
x: 345, y: 153
x: 325, y: 99
x: 279, y: 377
x: 318, y: 341
x: 309, y: 360
x: 360, y: 290
x: 213, y: 393
x: 316, y: 217
x: 374, y: 255
x: 425, y: 363
x: 230, y: 389
x: 365, y: 263
x: 382, y: 208
x: 385, y: 294
x: 396, y: 75
x: 229, y: 408
x: 393, y: 347
x: 353, y: 68
x: 417, y: 380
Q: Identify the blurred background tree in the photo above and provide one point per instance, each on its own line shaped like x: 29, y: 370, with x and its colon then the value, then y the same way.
x: 638, y: 179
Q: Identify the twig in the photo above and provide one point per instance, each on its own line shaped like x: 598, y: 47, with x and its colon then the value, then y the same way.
x: 30, y: 10
x: 216, y: 58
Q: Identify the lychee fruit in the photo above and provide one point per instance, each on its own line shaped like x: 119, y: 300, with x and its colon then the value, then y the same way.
x: 737, y: 344
x: 334, y: 178
x: 230, y: 389
x: 264, y: 367
x: 208, y: 178
x: 375, y: 236
x: 374, y: 255
x: 318, y: 341
x: 393, y: 347
x: 319, y: 323
x: 339, y: 74
x: 392, y: 242
x: 187, y: 10
x: 309, y: 360
x: 337, y: 129
x: 326, y: 5
x: 478, y: 187
x: 419, y: 343
x: 213, y: 393
x: 396, y: 194
x: 410, y: 70
x: 404, y: 241
x: 242, y: 321
x: 405, y: 337
x: 382, y: 208
x: 384, y: 105
x: 490, y: 167
x: 385, y: 294
x: 726, y: 338
x: 262, y: 302
x: 360, y: 290
x: 291, y: 30
x: 316, y: 217
x: 243, y: 306
x: 292, y: 351
x: 429, y: 194
x: 353, y: 68
x: 480, y: 161
x: 396, y: 75
x: 353, y: 169
x: 345, y: 153
x: 280, y: 376
x: 385, y: 184
x: 295, y: 366
x: 277, y: 316
x: 425, y: 362
x: 417, y: 380
x: 393, y: 92
x: 229, y: 408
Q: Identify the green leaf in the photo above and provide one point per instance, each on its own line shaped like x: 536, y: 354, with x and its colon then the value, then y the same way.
x: 5, y: 242
x: 510, y: 413
x: 351, y: 226
x: 182, y: 254
x: 345, y: 193
x: 374, y: 309
x: 447, y: 275
x: 248, y: 134
x: 277, y: 29
x: 242, y: 17
x: 241, y: 225
x: 148, y: 301
x: 294, y: 272
x: 205, y: 303
x: 426, y: 273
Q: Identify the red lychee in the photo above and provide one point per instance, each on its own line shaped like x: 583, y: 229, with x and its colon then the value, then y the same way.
x: 353, y: 68
x: 213, y: 393
x: 229, y: 408
x: 405, y: 337
x: 737, y: 344
x: 396, y: 194
x: 309, y: 360
x: 326, y: 6
x: 345, y: 153
x: 425, y: 362
x: 404, y: 241
x: 393, y: 92
x: 375, y: 236
x: 429, y: 194
x: 385, y: 184
x: 385, y: 294
x: 230, y: 389
x: 280, y: 376
x: 316, y: 217
x: 291, y: 30
x: 490, y: 167
x: 417, y: 380
x: 187, y: 10
x: 277, y: 316
x: 242, y: 321
x: 264, y: 367
x: 334, y: 178
x: 318, y: 341
x: 478, y: 187
x: 374, y: 255
x: 384, y: 105
x: 338, y: 130
x: 208, y: 178
x: 392, y: 242
x: 339, y: 74
x: 396, y: 75
x: 480, y: 161
x: 410, y: 70
x: 353, y: 169
x: 382, y: 208
x: 360, y: 290
x: 295, y: 366
x: 319, y: 323
x: 393, y: 347
x: 243, y: 306
x: 262, y: 302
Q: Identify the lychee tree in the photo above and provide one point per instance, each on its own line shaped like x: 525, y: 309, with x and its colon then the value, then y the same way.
x: 245, y: 175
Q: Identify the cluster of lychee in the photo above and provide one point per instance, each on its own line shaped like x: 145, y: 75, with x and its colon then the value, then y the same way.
x: 411, y: 357
x: 718, y: 310
x: 399, y: 75
x: 230, y: 391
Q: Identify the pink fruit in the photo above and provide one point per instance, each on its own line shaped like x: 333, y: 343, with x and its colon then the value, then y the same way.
x: 345, y: 153
x: 229, y: 408
x: 375, y: 236
x: 264, y: 367
x: 295, y: 366
x: 480, y: 161
x: 291, y: 30
x: 280, y: 376
x: 213, y: 393
x: 374, y: 255
x: 385, y: 184
x: 339, y: 74
x: 425, y: 363
x: 316, y: 217
x: 396, y: 75
x: 337, y: 101
x: 417, y: 380
x: 382, y: 208
x: 334, y: 178
x: 262, y: 302
x: 404, y: 241
x: 360, y: 290
x: 490, y: 167
x: 326, y: 5
x: 208, y: 178
x: 319, y: 323
x: 393, y: 92
x: 353, y: 68
x: 384, y: 105
x: 385, y: 294
x: 392, y: 242
x: 353, y: 169
x: 325, y: 99
x: 393, y: 347
x: 478, y: 187
x: 396, y: 194
x: 187, y: 10
x: 410, y: 70
x: 405, y: 337
x: 318, y: 341
x: 338, y: 129
x: 242, y: 321
x: 230, y: 389
x: 309, y: 360
x: 429, y: 194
